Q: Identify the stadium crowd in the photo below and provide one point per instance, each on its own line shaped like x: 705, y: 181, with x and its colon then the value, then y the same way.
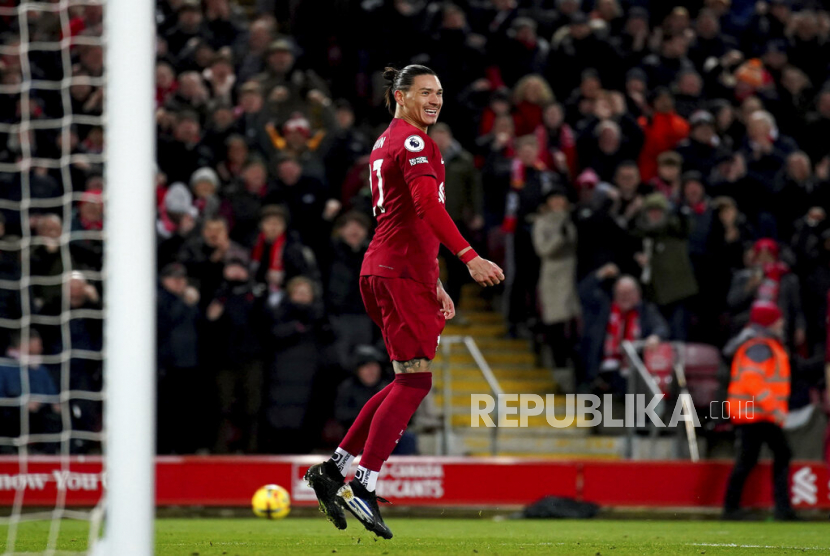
x: 642, y: 169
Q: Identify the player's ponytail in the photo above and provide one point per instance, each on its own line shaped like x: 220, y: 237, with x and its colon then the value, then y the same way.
x: 401, y: 80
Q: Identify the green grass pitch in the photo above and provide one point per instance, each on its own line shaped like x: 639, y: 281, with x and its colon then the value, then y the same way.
x: 449, y: 537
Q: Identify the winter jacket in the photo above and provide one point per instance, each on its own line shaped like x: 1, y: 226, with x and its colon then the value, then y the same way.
x: 554, y: 239
x: 596, y: 298
x: 672, y: 278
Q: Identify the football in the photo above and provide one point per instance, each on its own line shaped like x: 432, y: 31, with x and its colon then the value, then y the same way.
x: 271, y: 502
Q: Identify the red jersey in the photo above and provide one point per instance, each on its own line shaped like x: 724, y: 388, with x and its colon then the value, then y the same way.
x: 404, y: 245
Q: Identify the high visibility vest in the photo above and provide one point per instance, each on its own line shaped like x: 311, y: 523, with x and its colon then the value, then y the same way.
x: 759, y: 391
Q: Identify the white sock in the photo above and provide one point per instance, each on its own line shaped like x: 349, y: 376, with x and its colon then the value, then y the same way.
x: 343, y: 460
x: 367, y: 478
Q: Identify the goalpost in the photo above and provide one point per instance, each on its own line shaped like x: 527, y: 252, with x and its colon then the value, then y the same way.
x: 34, y: 30
x: 130, y: 363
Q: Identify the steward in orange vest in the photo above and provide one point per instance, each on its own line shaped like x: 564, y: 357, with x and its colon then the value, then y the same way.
x: 760, y: 384
x: 759, y: 392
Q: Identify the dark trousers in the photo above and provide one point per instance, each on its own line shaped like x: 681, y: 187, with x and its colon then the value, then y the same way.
x: 750, y: 438
x: 524, y: 275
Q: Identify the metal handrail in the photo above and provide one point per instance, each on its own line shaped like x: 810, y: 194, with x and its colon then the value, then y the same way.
x: 489, y: 377
x: 630, y: 348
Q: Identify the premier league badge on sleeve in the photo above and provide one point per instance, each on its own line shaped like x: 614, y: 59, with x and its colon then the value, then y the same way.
x: 414, y: 144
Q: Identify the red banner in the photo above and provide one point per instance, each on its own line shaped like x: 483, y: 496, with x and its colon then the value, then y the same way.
x: 420, y: 481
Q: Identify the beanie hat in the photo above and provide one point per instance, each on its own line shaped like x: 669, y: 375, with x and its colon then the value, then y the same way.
x: 204, y: 174
x: 764, y: 313
x: 765, y: 244
x: 178, y: 200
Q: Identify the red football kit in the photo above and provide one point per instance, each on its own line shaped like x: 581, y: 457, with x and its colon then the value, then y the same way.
x: 399, y: 275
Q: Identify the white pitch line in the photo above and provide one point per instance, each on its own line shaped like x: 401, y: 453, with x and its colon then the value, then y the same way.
x: 734, y: 545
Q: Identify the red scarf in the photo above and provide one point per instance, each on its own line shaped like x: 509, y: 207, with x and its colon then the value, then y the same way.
x: 274, y: 257
x: 621, y: 326
x: 517, y: 183
x: 771, y: 285
x: 567, y: 144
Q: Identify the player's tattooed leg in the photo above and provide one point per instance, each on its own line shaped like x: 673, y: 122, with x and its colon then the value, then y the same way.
x: 413, y: 366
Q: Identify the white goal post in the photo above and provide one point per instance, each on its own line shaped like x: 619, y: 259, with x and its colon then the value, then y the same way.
x: 130, y: 249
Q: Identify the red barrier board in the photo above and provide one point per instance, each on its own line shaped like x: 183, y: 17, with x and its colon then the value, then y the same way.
x: 421, y: 481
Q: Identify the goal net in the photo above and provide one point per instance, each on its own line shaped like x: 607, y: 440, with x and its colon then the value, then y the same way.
x: 54, y: 187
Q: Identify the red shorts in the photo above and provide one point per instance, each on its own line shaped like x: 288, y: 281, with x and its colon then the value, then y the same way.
x: 407, y: 312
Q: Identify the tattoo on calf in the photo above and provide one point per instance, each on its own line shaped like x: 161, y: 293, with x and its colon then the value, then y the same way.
x: 412, y: 366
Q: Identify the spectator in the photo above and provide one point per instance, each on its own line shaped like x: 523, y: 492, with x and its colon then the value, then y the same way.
x: 611, y: 318
x: 796, y: 190
x: 602, y: 237
x: 234, y: 319
x: 760, y: 372
x: 252, y: 54
x: 767, y: 278
x: 530, y: 96
x: 663, y: 130
x: 709, y: 41
x: 89, y: 217
x: 579, y: 48
x: 189, y: 26
x: 44, y: 411
x: 242, y: 206
x: 205, y: 256
x: 252, y: 120
x: 299, y: 332
x: 524, y: 52
x: 688, y: 94
x: 818, y: 126
x: 191, y: 95
x: 297, y: 141
x: 769, y: 22
x: 220, y: 21
x: 664, y: 67
x: 557, y: 141
x: 667, y: 180
x: 603, y: 149
x: 807, y: 48
x: 555, y: 240
x: 181, y: 385
x: 309, y: 202
x: 220, y: 126
x: 529, y: 183
x: 666, y: 268
x: 344, y: 146
x: 464, y: 202
x: 700, y: 150
x: 288, y: 85
x: 204, y: 182
x: 245, y: 122
x: 457, y: 54
x: 231, y: 167
x: 180, y: 155
x: 355, y: 391
x: 730, y: 233
x: 176, y: 222
x: 9, y: 270
x: 341, y: 273
x: 498, y: 148
x: 47, y: 258
x: 631, y: 190
x: 632, y: 41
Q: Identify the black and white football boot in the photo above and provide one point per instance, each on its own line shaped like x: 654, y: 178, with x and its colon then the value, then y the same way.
x: 326, y: 480
x: 364, y: 506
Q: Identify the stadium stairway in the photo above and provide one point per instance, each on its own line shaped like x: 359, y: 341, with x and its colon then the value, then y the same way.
x: 514, y: 365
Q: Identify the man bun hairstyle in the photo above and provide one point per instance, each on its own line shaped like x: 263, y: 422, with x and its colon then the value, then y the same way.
x: 401, y: 80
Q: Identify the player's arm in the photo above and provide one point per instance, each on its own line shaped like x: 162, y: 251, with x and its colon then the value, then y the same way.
x: 424, y: 190
x: 447, y: 306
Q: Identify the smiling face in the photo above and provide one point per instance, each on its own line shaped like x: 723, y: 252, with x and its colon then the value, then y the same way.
x: 422, y: 102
